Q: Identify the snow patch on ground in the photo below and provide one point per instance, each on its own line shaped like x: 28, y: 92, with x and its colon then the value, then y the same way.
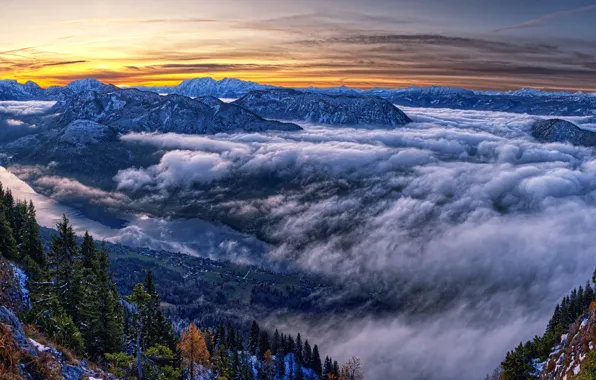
x: 38, y: 346
x: 22, y: 279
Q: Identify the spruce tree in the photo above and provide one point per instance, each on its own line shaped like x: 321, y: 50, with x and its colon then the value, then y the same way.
x: 263, y: 343
x: 298, y: 349
x: 8, y: 245
x: 89, y: 255
x: 307, y: 355
x: 327, y: 368
x: 158, y: 330
x: 32, y: 246
x: 64, y: 254
x: 316, y: 361
x: 104, y: 320
x: 253, y: 338
x: 588, y: 295
x: 275, y: 342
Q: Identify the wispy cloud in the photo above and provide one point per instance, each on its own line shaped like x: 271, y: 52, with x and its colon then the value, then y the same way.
x: 63, y: 63
x: 140, y: 21
x: 547, y: 17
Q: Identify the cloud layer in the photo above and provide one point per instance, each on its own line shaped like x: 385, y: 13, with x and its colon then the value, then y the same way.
x: 461, y: 217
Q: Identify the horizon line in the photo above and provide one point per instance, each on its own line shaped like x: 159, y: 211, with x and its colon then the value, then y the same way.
x: 314, y: 85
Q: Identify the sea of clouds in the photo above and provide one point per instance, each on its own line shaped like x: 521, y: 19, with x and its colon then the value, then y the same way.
x: 465, y: 219
x: 461, y: 217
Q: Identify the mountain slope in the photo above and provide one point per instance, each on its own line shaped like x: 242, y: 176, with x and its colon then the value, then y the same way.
x: 290, y: 104
x: 139, y: 111
x: 557, y: 130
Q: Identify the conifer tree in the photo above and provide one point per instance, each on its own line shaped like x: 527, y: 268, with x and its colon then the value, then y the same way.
x: 327, y: 368
x: 253, y: 339
x: 8, y: 245
x: 32, y: 246
x: 104, y: 320
x: 89, y: 255
x: 316, y: 361
x: 263, y: 343
x: 158, y: 330
x: 298, y: 349
x: 588, y: 295
x: 64, y: 254
x: 275, y: 342
x: 335, y: 368
x: 307, y: 354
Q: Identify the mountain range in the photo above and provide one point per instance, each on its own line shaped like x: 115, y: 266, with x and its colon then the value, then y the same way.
x: 519, y: 101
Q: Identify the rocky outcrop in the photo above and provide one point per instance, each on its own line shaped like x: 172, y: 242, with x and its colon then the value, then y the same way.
x: 11, y: 294
x: 557, y: 130
x: 34, y: 360
x: 132, y: 110
x: 574, y: 354
x: 293, y: 105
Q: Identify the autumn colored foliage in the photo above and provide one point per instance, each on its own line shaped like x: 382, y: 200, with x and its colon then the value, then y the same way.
x: 194, y: 348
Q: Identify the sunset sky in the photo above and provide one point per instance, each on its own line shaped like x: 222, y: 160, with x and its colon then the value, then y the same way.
x: 497, y: 44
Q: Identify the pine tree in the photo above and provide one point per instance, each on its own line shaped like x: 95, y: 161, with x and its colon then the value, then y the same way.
x: 327, y: 368
x: 158, y: 330
x: 32, y: 246
x: 253, y: 339
x: 263, y: 343
x: 298, y: 349
x: 64, y: 254
x: 291, y: 347
x: 76, y: 293
x: 316, y: 361
x: 555, y: 320
x: 588, y: 295
x: 307, y: 354
x: 275, y: 342
x: 104, y: 320
x: 89, y: 254
x: 8, y: 245
x: 335, y: 368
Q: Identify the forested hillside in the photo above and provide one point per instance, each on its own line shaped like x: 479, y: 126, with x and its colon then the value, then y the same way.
x: 551, y: 356
x: 72, y: 315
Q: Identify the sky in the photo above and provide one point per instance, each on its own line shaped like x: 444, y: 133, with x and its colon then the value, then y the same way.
x: 482, y: 44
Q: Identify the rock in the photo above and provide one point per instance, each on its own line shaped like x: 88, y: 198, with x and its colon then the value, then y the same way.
x: 287, y: 104
x: 557, y: 130
x: 9, y: 318
x: 85, y: 132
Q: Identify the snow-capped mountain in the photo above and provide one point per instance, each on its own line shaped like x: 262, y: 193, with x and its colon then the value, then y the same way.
x: 13, y: 90
x: 225, y: 88
x: 288, y: 104
x: 526, y: 100
x: 89, y: 84
x: 133, y: 110
x: 420, y: 91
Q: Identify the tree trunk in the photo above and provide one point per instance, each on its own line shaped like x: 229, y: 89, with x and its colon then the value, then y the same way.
x: 192, y: 370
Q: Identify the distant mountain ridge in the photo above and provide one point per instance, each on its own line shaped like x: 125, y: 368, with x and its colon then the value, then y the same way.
x: 526, y: 100
x: 132, y: 110
x: 293, y: 105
